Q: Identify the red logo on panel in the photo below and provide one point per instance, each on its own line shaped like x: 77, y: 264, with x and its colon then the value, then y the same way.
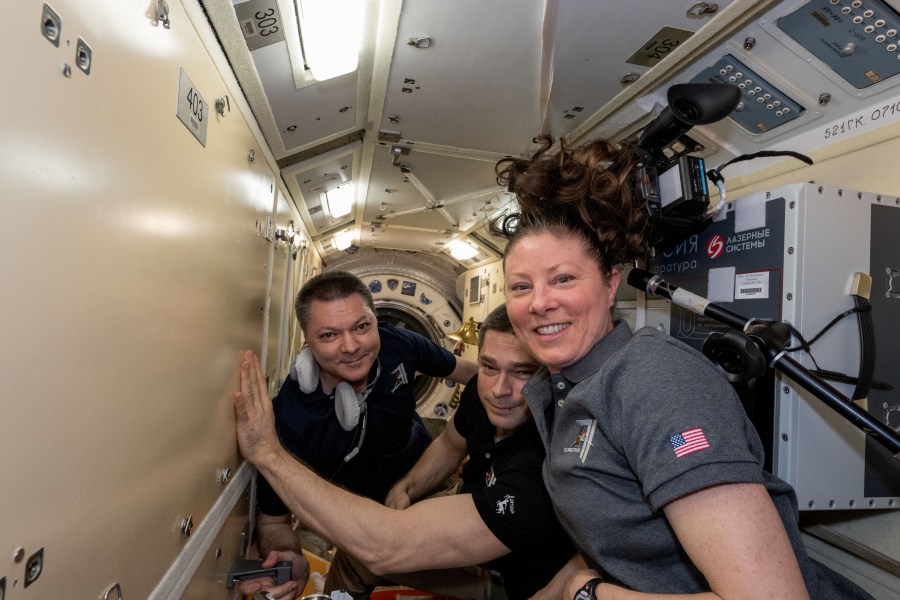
x: 715, y: 246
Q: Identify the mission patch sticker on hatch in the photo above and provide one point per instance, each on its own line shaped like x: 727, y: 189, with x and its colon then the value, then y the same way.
x: 751, y: 285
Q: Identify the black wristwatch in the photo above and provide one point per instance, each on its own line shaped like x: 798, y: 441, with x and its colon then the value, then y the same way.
x: 587, y: 590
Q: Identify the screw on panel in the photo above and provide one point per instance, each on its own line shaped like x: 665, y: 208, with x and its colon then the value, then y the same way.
x: 878, y: 198
x: 225, y: 475
x: 811, y: 503
x: 18, y: 554
x: 840, y: 193
x: 749, y: 43
x: 66, y: 70
x: 793, y: 204
x: 852, y: 503
x: 251, y: 156
x: 824, y: 99
x: 768, y: 195
x: 784, y: 437
x: 789, y: 296
x: 871, y: 502
x: 791, y: 250
x: 820, y: 189
x: 629, y: 78
x: 51, y: 25
x: 831, y: 504
x: 218, y: 552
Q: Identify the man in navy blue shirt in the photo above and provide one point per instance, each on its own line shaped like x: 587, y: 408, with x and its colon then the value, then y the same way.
x: 503, y: 515
x: 349, y: 410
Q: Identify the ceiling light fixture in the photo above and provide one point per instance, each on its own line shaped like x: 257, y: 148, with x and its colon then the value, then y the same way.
x: 462, y: 251
x: 343, y: 240
x: 330, y: 31
x: 340, y: 199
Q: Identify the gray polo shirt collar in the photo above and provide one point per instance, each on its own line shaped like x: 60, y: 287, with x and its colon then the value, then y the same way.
x: 544, y: 391
x: 599, y: 354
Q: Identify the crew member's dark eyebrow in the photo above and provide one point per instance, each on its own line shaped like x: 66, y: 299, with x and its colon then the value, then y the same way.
x: 516, y: 365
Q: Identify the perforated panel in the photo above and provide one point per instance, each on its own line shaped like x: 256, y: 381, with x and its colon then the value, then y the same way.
x: 763, y: 106
x: 855, y: 39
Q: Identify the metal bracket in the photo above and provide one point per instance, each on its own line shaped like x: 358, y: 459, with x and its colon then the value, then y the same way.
x: 396, y: 153
x: 114, y: 587
x: 84, y: 56
x: 51, y: 25
x: 223, y: 106
x: 701, y: 9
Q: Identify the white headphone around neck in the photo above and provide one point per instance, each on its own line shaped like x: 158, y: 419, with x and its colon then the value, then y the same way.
x: 348, y: 405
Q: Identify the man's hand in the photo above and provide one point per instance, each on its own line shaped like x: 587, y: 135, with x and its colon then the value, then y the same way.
x: 398, y: 497
x: 286, y: 591
x: 253, y: 413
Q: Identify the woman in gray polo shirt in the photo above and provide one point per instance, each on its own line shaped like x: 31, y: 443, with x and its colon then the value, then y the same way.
x: 652, y: 465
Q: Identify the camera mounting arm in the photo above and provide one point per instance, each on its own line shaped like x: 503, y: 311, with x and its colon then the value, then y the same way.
x: 768, y: 341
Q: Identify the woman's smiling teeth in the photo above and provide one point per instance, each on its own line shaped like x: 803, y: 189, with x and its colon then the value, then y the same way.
x: 549, y: 329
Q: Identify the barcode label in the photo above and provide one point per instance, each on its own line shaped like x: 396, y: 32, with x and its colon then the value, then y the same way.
x: 249, y: 27
x: 749, y: 286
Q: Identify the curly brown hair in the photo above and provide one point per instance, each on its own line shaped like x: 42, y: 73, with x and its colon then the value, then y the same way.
x: 586, y: 191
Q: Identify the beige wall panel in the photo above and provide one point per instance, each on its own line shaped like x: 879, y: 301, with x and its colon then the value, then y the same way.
x: 865, y: 163
x: 133, y: 274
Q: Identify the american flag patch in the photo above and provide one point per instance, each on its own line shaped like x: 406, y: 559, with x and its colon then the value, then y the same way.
x: 689, y: 441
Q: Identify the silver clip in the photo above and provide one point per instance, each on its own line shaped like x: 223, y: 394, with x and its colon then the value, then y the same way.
x: 223, y: 106
x: 113, y: 588
x: 162, y: 13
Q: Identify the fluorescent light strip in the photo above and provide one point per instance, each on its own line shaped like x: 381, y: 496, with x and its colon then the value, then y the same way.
x: 331, y: 32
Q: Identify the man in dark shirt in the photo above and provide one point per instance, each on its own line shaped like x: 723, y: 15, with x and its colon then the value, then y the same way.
x: 348, y: 410
x: 503, y: 516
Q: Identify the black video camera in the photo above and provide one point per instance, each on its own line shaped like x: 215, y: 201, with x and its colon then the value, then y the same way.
x: 674, y: 186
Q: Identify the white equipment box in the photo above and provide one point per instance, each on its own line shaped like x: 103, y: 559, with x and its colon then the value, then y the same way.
x: 790, y: 255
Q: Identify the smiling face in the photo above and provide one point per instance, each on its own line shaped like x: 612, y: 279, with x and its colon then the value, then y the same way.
x: 557, y: 298
x: 343, y: 337
x: 504, y: 365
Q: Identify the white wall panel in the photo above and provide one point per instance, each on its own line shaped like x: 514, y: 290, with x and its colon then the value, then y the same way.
x: 133, y: 274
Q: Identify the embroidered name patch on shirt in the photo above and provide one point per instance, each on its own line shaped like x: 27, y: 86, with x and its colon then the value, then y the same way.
x: 688, y: 442
x: 584, y: 439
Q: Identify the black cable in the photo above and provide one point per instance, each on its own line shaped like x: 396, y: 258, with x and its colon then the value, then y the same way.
x: 865, y: 381
x: 715, y: 175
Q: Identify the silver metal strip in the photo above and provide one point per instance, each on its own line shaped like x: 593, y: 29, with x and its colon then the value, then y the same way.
x: 179, y: 575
